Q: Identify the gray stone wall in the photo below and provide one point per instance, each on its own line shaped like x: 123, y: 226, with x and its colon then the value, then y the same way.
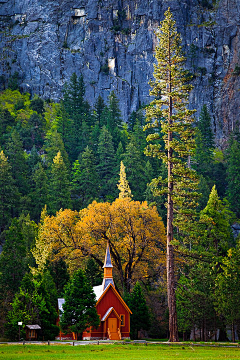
x: 112, y: 42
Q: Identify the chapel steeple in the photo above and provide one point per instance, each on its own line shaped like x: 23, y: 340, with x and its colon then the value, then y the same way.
x: 107, y: 277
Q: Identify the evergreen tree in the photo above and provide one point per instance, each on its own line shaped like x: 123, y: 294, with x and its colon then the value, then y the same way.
x: 52, y: 145
x: 169, y: 111
x: 204, y: 190
x: 94, y: 136
x: 85, y: 182
x: 16, y: 255
x: 107, y: 165
x: 205, y: 128
x: 79, y: 111
x: 123, y: 186
x: 8, y: 193
x: 73, y: 98
x: 59, y: 186
x: 233, y: 176
x: 37, y: 104
x: 33, y: 159
x: 114, y: 120
x: 195, y: 300
x: 227, y: 293
x: 79, y: 311
x: 99, y: 111
x: 94, y: 272
x: 17, y: 160
x: 215, y: 226
x: 85, y: 137
x: 6, y: 124
x: 59, y: 272
x: 135, y: 170
x: 139, y: 137
x: 134, y: 118
x: 39, y: 193
x: 64, y: 126
x: 195, y: 293
x: 140, y: 318
x: 32, y: 133
x: 119, y: 153
x: 34, y: 303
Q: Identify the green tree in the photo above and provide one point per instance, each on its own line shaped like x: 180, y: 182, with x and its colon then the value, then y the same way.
x: 134, y: 118
x: 114, y: 119
x: 13, y: 82
x: 79, y: 111
x: 17, y: 160
x: 94, y: 272
x: 107, y: 165
x: 215, y: 233
x: 37, y: 104
x: 59, y: 272
x: 6, y: 124
x: 195, y: 299
x: 85, y: 181
x: 53, y: 143
x: 16, y: 254
x: 35, y: 303
x: 99, y: 111
x: 169, y: 112
x: 59, y: 186
x: 32, y: 133
x: 195, y: 293
x: 205, y: 129
x: 139, y: 137
x: 33, y: 159
x: 8, y: 193
x: 233, y: 176
x: 140, y: 318
x: 64, y: 125
x: 73, y: 98
x: 14, y: 260
x: 119, y: 153
x: 39, y: 194
x: 135, y: 170
x: 227, y: 294
x: 79, y: 311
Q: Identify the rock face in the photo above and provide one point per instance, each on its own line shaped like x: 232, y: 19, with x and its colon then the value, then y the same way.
x: 112, y: 42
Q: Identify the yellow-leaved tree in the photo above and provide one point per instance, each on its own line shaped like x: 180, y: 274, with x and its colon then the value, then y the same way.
x: 135, y: 232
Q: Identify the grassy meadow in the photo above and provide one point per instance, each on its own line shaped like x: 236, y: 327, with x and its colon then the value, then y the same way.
x: 116, y: 351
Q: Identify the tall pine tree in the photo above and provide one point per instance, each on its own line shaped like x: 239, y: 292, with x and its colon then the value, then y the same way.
x: 169, y: 111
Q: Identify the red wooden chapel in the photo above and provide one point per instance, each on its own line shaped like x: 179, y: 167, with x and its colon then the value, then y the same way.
x: 111, y: 308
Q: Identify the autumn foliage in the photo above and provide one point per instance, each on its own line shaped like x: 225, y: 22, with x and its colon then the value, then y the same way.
x: 134, y: 230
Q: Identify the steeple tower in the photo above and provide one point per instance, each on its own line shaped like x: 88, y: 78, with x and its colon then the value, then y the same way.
x: 107, y: 277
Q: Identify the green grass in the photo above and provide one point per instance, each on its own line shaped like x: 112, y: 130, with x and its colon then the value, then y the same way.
x: 126, y: 351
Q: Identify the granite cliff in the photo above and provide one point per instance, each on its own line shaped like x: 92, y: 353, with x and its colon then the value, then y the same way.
x: 112, y: 42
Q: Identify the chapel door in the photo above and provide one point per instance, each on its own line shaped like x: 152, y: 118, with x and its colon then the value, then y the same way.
x: 112, y: 325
